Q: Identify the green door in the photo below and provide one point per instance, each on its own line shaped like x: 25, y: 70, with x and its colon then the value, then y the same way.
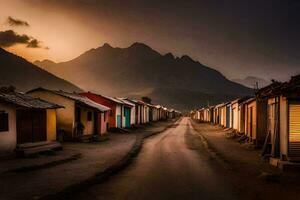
x: 127, y: 117
x: 119, y: 121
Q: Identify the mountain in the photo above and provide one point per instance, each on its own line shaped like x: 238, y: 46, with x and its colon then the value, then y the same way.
x: 250, y: 81
x: 22, y: 74
x: 139, y: 70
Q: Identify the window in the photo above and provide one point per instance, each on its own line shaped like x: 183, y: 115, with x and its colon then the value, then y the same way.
x: 3, y: 121
x: 89, y: 116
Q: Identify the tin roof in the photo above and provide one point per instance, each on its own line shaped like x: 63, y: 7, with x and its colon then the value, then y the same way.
x: 27, y: 101
x: 126, y: 102
x: 116, y: 100
x: 78, y: 98
x: 250, y: 100
x: 84, y: 100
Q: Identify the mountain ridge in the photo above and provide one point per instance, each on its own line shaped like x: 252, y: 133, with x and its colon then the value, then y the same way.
x: 138, y: 68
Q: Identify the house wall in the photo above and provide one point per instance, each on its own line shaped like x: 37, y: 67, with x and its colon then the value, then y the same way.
x: 8, y: 139
x: 65, y: 116
x: 242, y: 119
x: 228, y: 116
x: 223, y: 116
x: 271, y: 118
x: 104, y: 121
x: 283, y: 126
x: 220, y: 116
x: 88, y: 125
x: 137, y: 113
x: 147, y: 112
x: 51, y: 124
x: 261, y: 121
x: 132, y: 117
x: 112, y: 117
x: 235, y: 117
x: 216, y: 115
x: 117, y: 113
x: 248, y: 120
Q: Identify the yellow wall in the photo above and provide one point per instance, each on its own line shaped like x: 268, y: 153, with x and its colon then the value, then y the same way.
x: 235, y: 122
x: 65, y: 116
x: 51, y: 124
x: 223, y: 115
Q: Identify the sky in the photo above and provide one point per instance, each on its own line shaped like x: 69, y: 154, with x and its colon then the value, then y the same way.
x: 237, y: 37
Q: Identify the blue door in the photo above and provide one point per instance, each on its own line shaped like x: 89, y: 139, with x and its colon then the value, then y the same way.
x: 119, y: 121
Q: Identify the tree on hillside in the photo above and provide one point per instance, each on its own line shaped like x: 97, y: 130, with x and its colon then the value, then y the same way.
x: 146, y: 99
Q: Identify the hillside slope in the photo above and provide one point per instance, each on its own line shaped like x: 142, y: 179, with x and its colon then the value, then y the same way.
x: 22, y: 74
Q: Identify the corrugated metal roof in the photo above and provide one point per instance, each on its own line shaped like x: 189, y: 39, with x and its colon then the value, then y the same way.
x: 27, y: 101
x: 127, y: 102
x: 77, y: 97
x: 113, y: 99
x: 250, y: 100
x: 84, y: 100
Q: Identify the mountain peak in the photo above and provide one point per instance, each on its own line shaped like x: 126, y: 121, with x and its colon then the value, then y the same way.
x: 187, y: 58
x: 139, y: 45
x: 169, y: 55
x: 106, y: 45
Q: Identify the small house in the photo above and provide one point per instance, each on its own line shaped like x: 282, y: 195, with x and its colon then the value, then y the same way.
x: 153, y: 113
x: 222, y: 111
x: 80, y: 117
x: 283, y: 119
x: 25, y: 121
x: 256, y: 120
x: 228, y: 115
x: 129, y: 120
x: 145, y: 112
x: 238, y: 114
x: 235, y: 114
x: 217, y: 114
x: 120, y: 112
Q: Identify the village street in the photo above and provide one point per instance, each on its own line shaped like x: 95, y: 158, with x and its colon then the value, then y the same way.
x: 43, y: 176
x: 195, y: 161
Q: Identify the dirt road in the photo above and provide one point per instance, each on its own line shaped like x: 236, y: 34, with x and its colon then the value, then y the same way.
x: 168, y: 167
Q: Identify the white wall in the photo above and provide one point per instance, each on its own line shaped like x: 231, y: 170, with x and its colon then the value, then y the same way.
x: 132, y: 118
x: 118, y: 112
x: 8, y: 139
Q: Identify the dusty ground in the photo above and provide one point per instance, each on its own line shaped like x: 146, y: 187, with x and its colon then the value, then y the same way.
x: 252, y: 176
x: 94, y: 157
x: 195, y: 162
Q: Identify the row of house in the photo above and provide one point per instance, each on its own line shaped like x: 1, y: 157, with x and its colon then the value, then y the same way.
x: 42, y: 116
x: 270, y: 119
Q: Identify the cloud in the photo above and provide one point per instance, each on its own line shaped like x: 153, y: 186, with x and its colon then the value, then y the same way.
x: 34, y: 43
x: 9, y: 38
x: 16, y: 22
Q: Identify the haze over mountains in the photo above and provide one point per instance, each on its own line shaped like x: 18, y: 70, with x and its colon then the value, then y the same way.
x: 253, y: 82
x: 22, y: 74
x: 141, y: 71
